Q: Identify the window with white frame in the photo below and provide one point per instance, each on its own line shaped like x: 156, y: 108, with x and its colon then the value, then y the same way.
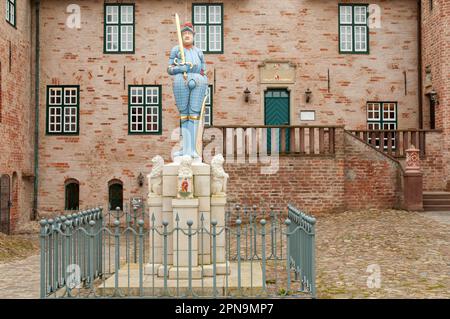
x: 11, y: 12
x: 144, y: 109
x: 353, y: 28
x: 209, y: 107
x: 119, y: 28
x: 208, y: 25
x: 62, y: 109
x: 382, y: 116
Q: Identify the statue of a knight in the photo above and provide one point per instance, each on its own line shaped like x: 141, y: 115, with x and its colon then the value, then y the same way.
x: 189, y: 86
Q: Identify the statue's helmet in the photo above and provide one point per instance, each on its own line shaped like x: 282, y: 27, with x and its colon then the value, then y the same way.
x: 187, y: 27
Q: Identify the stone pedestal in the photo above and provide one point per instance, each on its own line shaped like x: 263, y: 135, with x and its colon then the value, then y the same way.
x: 413, y: 181
x: 185, y: 211
x: 413, y: 191
x: 199, y: 209
x: 218, y: 214
x: 156, y: 219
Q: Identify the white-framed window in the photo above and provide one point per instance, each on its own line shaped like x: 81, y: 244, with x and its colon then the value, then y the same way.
x: 10, y: 6
x: 353, y: 29
x: 62, y: 109
x: 144, y: 109
x: 382, y: 116
x: 119, y: 28
x: 208, y: 25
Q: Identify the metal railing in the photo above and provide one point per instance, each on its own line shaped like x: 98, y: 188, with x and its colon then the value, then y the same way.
x: 104, y: 254
x: 71, y: 246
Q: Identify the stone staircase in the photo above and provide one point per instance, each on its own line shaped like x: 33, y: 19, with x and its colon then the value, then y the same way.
x: 436, y: 201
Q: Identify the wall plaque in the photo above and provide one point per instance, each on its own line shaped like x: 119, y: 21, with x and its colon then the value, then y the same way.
x: 277, y: 72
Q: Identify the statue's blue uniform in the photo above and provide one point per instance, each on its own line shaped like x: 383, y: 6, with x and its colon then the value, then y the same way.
x: 190, y: 93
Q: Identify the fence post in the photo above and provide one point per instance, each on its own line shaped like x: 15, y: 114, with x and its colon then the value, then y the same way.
x: 214, y: 234
x: 56, y: 264
x: 263, y: 252
x: 134, y: 226
x: 288, y: 265
x: 189, y: 224
x: 116, y: 253
x: 313, y: 257
x: 141, y: 261
x: 165, y: 223
x: 91, y: 254
x: 43, y: 224
x: 68, y: 243
x: 238, y: 241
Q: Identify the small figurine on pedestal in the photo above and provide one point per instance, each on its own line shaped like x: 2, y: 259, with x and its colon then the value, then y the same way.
x: 185, y: 178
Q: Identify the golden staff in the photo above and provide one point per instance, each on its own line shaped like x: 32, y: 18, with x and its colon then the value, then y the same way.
x: 201, y: 124
x: 180, y: 44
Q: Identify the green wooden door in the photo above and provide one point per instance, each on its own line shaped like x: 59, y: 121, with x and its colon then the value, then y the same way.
x: 276, y: 112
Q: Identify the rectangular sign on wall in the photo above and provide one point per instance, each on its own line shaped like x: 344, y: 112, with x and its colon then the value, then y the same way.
x: 307, y: 115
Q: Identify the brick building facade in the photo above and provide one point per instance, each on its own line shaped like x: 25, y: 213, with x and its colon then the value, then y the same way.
x: 360, y: 61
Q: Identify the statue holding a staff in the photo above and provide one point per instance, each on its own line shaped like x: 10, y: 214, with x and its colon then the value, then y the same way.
x: 188, y: 68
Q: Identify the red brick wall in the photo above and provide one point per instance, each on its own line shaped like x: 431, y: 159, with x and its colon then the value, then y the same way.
x: 433, y: 163
x: 254, y: 31
x: 372, y: 180
x: 436, y: 54
x: 310, y: 183
x: 17, y: 108
x: 357, y: 177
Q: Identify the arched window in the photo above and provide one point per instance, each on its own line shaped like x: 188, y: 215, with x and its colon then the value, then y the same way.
x: 115, y: 188
x: 72, y: 195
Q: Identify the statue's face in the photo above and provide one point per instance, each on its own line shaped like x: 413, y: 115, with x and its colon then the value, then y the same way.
x: 188, y: 38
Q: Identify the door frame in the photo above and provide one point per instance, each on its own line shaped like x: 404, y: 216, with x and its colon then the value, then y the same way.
x: 293, y: 120
x: 281, y: 88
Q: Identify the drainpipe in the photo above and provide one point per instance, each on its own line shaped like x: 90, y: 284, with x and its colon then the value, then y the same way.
x: 36, y: 124
x: 420, y: 66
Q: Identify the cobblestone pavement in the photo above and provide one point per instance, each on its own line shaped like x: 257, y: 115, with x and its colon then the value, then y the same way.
x: 20, y: 278
x: 412, y: 251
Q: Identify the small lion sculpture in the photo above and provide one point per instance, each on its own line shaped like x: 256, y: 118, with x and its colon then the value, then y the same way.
x: 155, y: 176
x: 219, y: 177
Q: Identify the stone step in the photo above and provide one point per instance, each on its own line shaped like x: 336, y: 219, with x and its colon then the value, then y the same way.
x: 436, y: 195
x: 436, y: 201
x: 436, y: 208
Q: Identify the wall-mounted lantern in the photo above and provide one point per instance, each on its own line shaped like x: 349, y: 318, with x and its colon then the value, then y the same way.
x: 140, y: 179
x: 308, y: 94
x: 247, y: 95
x: 432, y: 95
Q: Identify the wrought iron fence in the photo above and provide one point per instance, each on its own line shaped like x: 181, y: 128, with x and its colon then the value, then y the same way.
x: 115, y: 254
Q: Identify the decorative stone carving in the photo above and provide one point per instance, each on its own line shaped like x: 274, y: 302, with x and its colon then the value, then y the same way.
x: 273, y: 71
x: 155, y: 177
x: 412, y: 160
x: 185, y: 178
x: 219, y: 177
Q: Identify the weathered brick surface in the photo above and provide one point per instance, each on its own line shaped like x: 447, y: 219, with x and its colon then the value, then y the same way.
x: 432, y: 164
x: 372, y: 180
x: 436, y: 54
x: 300, y: 31
x: 254, y: 31
x: 357, y: 177
x: 17, y: 109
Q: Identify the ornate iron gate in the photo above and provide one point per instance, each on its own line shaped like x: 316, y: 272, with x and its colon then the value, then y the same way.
x: 5, y: 203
